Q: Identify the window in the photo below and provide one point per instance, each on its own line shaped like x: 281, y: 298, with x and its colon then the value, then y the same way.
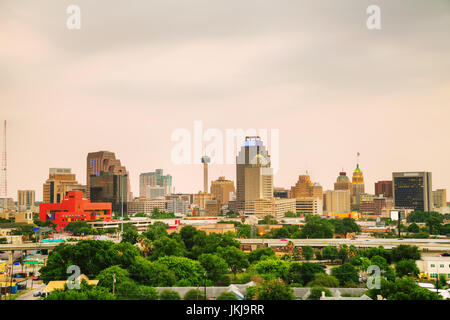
x: 433, y: 266
x: 433, y: 275
x: 441, y: 265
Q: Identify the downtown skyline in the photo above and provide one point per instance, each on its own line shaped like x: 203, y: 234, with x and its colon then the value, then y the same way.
x: 128, y: 79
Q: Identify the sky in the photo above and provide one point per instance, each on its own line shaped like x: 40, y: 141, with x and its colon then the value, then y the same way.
x: 138, y: 71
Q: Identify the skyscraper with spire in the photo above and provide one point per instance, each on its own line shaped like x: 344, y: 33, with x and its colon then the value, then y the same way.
x: 357, y: 185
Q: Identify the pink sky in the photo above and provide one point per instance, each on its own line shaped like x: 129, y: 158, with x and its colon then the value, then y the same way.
x: 135, y: 73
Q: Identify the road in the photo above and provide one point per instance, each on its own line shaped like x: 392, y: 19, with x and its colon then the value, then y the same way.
x: 29, y: 294
x: 429, y: 244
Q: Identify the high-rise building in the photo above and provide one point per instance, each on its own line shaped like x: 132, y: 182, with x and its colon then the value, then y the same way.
x: 383, y: 188
x: 201, y: 198
x: 357, y: 186
x: 309, y: 205
x: 305, y: 188
x: 205, y: 160
x: 367, y: 204
x: 145, y: 205
x: 105, y: 161
x: 60, y: 181
x: 177, y: 206
x: 281, y: 193
x: 412, y: 190
x: 439, y: 198
x: 254, y: 177
x: 343, y: 183
x: 154, y: 179
x: 221, y: 190
x: 25, y: 199
x: 110, y: 187
x: 337, y: 201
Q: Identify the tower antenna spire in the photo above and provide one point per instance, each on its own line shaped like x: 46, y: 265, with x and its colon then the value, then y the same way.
x: 4, y: 180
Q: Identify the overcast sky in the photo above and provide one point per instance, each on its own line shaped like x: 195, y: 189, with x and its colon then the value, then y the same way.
x: 139, y: 70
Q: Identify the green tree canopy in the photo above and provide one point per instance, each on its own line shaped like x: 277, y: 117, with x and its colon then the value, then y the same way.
x: 274, y: 290
x: 406, y: 268
x: 259, y: 254
x: 106, y: 277
x: 317, y: 228
x: 169, y: 295
x: 190, y: 271
x: 345, y: 274
x: 323, y: 280
x: 235, y: 258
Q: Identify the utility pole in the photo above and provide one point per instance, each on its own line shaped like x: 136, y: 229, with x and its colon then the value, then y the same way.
x: 114, y: 282
x: 205, y: 284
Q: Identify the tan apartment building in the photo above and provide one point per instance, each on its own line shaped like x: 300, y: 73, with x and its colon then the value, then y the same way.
x: 145, y: 205
x: 59, y: 182
x: 337, y: 201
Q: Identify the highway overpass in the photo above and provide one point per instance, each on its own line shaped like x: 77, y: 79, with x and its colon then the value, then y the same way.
x: 427, y: 244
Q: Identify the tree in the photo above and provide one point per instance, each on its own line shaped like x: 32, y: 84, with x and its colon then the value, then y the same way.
x: 259, y: 254
x: 78, y: 228
x: 274, y: 290
x: 187, y: 234
x: 343, y: 253
x: 345, y: 225
x: 405, y: 252
x: 156, y: 231
x: 86, y: 292
x: 345, y: 274
x: 141, y: 214
x: 324, y: 280
x: 148, y: 293
x: 189, y: 271
x: 244, y: 231
x: 303, y: 272
x: 3, y: 240
x: 317, y: 228
x: 433, y: 223
x: 406, y: 268
x: 330, y: 253
x: 90, y: 255
x: 271, y: 268
x: 316, y: 293
x: 194, y: 295
x: 167, y: 247
x: 169, y: 295
x: 307, y: 252
x: 235, y: 258
x: 414, y: 228
x: 151, y: 274
x: 442, y: 281
x: 215, y: 266
x: 402, y: 289
x: 227, y: 295
x: 106, y: 277
x: 130, y: 236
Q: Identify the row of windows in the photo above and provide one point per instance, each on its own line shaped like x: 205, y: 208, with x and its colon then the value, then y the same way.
x: 434, y: 275
x: 440, y: 266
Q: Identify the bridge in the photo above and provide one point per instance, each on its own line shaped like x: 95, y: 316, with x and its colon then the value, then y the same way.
x: 423, y: 244
x: 31, y: 246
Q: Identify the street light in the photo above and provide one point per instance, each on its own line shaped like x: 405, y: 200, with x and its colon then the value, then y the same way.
x: 204, y: 275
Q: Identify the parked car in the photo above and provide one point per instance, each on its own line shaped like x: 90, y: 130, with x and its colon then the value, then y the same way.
x: 445, y: 254
x: 37, y: 294
x: 36, y: 278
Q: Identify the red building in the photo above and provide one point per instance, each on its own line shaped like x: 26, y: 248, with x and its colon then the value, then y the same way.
x: 383, y: 188
x: 74, y: 208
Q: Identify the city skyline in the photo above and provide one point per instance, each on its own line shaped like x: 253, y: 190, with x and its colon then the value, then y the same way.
x: 129, y: 78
